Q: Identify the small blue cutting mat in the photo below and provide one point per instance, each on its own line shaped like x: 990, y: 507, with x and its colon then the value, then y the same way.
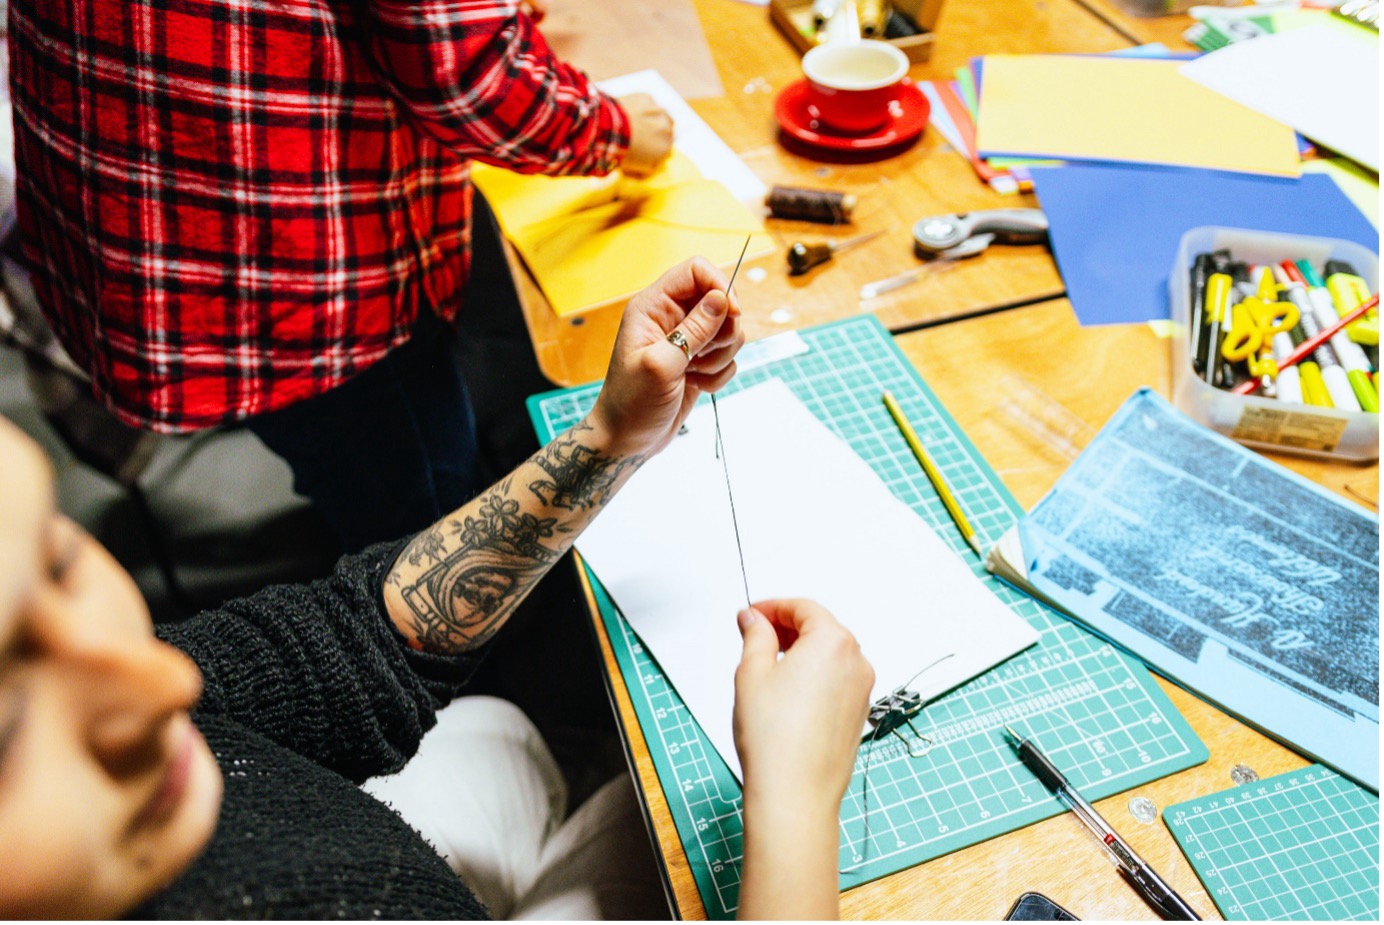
x: 1098, y: 713
x: 1302, y: 845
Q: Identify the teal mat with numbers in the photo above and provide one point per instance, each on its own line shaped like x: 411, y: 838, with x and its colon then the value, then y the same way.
x: 1096, y: 712
x: 1302, y: 845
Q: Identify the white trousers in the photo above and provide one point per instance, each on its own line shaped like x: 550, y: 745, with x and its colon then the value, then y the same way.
x: 486, y: 793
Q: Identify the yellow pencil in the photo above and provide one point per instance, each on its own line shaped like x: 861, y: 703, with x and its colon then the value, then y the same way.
x: 934, y: 476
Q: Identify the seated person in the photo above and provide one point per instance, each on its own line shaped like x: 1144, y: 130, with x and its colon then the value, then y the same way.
x: 211, y: 771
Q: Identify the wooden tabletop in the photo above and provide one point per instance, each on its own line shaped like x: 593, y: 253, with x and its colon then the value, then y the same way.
x: 1089, y: 372
x: 755, y: 62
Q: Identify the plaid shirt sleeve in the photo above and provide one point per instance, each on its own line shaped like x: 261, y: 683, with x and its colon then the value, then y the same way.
x: 230, y: 207
x: 478, y: 76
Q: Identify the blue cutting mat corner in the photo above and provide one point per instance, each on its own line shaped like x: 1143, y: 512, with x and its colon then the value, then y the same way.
x: 1299, y: 846
x: 1095, y: 711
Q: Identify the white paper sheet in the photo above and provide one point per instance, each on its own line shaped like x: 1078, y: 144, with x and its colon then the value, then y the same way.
x: 692, y: 136
x: 1322, y: 80
x: 815, y: 521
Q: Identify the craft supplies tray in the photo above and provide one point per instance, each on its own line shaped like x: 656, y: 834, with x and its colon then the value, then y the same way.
x: 794, y: 20
x: 1254, y: 420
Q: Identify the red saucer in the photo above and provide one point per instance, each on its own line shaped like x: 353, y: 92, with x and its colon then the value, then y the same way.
x: 908, y: 116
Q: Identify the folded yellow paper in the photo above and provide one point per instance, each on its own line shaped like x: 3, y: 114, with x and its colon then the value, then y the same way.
x: 590, y: 241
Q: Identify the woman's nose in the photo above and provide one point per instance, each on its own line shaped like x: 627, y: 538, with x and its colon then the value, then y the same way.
x: 127, y: 685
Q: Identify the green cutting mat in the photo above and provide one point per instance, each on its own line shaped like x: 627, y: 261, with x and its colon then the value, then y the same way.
x: 1302, y: 845
x: 1098, y: 714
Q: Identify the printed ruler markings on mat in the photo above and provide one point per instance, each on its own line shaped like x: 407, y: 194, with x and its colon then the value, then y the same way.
x: 1094, y: 711
x: 1302, y: 845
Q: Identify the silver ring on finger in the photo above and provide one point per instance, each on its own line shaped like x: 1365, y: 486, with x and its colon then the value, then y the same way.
x: 679, y: 340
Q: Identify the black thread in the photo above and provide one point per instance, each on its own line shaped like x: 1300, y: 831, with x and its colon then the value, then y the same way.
x: 876, y: 734
x: 811, y: 205
x: 725, y: 467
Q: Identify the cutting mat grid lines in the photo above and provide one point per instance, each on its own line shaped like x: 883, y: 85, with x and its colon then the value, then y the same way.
x: 1097, y: 712
x: 1302, y: 845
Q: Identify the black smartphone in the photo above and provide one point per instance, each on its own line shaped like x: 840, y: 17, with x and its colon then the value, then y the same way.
x: 1035, y: 907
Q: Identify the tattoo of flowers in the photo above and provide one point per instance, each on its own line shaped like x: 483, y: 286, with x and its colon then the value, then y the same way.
x: 501, y: 527
x: 426, y: 545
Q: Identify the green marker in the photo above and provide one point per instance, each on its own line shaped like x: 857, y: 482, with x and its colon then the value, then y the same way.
x: 1364, y: 390
x: 1309, y: 273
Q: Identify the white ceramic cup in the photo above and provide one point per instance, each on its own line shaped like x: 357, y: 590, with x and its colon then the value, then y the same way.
x: 851, y: 84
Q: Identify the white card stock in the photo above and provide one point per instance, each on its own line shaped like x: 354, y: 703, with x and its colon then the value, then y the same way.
x: 815, y: 521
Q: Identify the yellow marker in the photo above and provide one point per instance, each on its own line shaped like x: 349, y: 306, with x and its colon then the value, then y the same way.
x: 1313, y: 385
x: 933, y: 475
x: 1219, y: 286
x: 1218, y: 289
x: 1347, y: 292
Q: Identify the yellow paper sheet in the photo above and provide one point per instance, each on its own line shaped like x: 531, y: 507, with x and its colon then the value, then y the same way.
x: 1361, y: 186
x: 522, y: 200
x: 591, y: 241
x: 1126, y: 110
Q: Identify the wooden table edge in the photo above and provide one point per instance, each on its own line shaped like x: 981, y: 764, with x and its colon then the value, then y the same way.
x: 681, y: 891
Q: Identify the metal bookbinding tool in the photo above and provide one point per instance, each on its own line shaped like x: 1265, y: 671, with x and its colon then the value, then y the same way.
x: 941, y: 239
x: 895, y: 709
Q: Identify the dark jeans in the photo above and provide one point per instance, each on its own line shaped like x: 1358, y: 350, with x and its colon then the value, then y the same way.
x: 389, y: 451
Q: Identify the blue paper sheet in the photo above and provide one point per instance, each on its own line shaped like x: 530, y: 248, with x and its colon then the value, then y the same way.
x: 1115, y: 230
x: 1238, y: 579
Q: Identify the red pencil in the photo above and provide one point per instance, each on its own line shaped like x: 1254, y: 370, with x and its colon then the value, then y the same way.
x: 1250, y: 386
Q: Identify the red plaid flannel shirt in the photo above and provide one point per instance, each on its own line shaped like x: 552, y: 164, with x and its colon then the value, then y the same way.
x: 231, y: 205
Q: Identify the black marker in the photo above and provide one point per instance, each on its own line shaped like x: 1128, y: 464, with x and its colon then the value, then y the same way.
x: 1155, y: 891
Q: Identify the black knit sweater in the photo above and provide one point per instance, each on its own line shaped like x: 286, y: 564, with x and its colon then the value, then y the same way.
x: 309, y: 691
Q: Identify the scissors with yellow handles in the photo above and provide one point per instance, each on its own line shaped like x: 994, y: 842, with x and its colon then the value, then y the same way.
x: 1254, y: 322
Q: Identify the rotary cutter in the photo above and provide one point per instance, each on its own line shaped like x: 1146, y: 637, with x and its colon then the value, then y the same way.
x: 964, y: 234
x: 968, y: 233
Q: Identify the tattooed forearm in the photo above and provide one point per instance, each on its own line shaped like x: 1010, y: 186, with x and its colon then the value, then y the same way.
x: 461, y: 579
x: 576, y: 476
x: 470, y: 571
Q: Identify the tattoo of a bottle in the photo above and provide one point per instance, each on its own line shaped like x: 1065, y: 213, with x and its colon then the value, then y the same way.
x: 477, y: 569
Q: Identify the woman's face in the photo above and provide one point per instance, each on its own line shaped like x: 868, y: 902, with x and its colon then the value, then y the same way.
x: 107, y: 790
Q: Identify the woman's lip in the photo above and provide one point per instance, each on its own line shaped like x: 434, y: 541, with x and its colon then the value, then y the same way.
x: 173, y: 787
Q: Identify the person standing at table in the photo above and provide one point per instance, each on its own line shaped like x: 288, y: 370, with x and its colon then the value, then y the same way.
x: 262, y: 213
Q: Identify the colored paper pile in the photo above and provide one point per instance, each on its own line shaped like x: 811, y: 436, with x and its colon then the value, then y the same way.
x: 1174, y: 142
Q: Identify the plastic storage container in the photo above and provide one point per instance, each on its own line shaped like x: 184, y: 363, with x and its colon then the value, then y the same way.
x: 1253, y: 420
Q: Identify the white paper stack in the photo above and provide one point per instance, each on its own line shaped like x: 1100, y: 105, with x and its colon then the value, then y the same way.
x: 816, y: 522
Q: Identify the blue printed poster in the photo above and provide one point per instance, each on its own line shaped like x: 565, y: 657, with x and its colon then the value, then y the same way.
x: 1231, y: 575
